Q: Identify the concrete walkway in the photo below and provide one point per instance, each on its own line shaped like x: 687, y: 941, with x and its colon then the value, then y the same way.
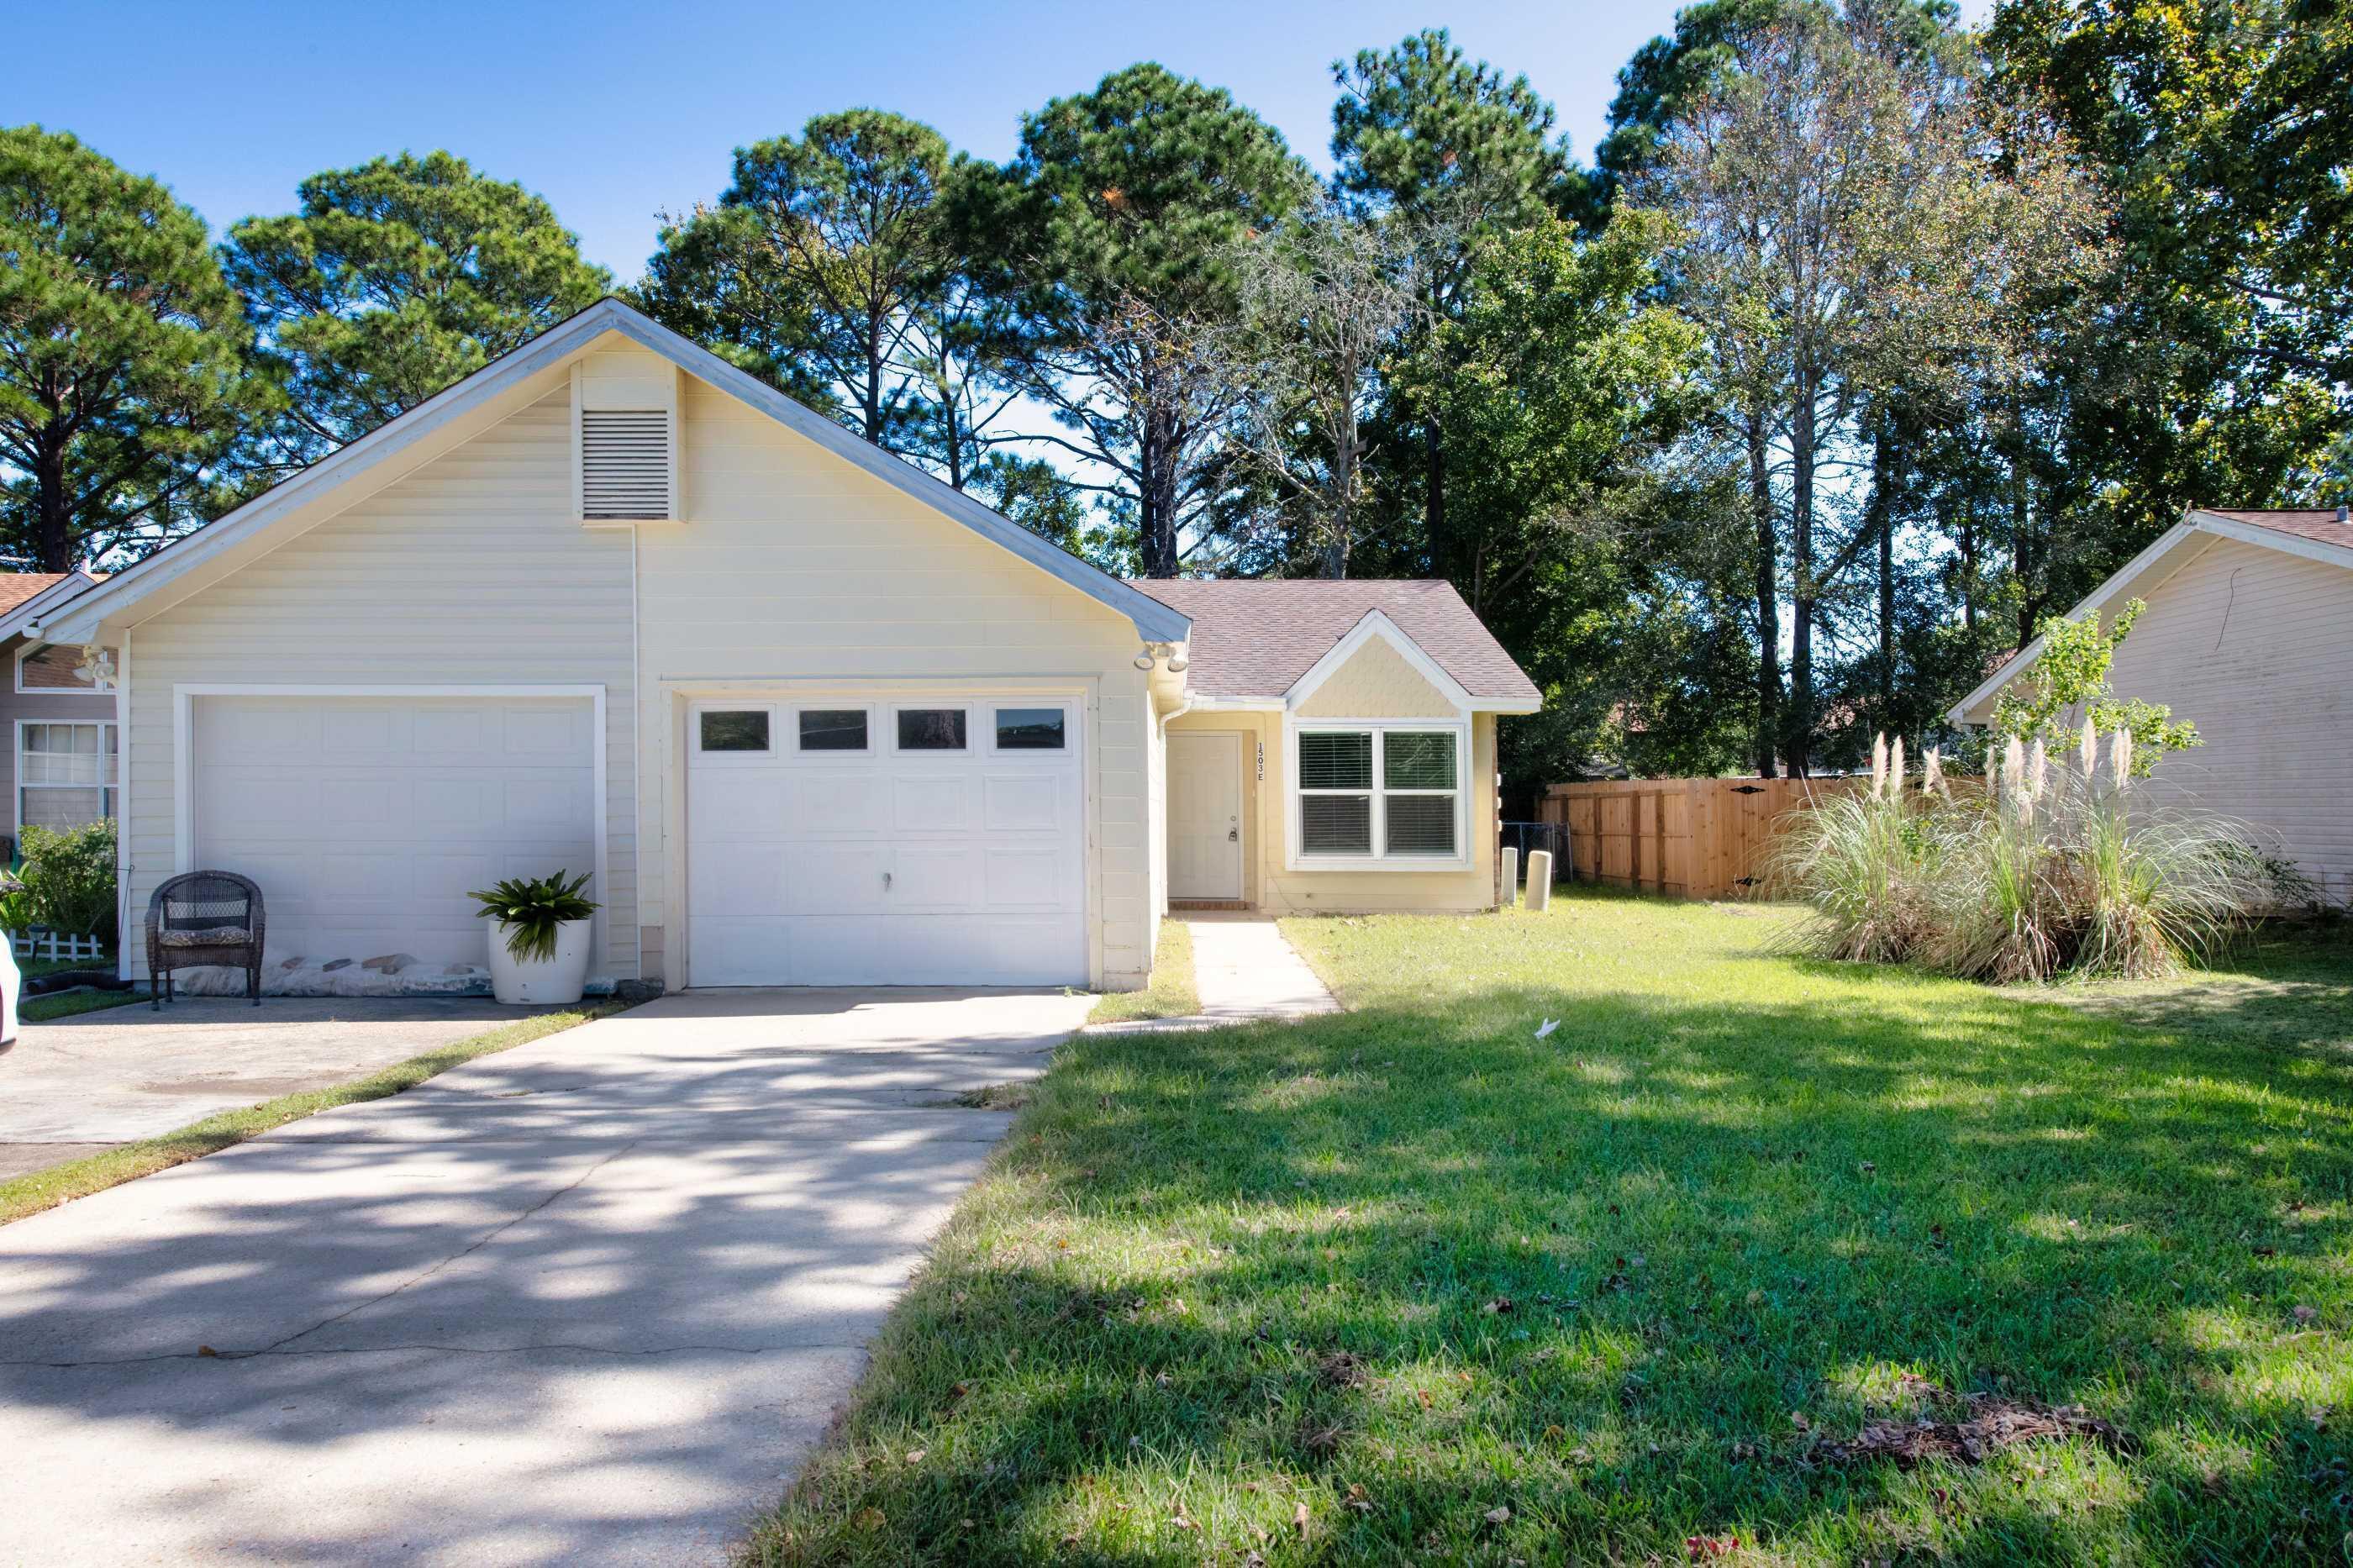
x: 77, y: 1086
x: 591, y: 1300
x: 1244, y: 968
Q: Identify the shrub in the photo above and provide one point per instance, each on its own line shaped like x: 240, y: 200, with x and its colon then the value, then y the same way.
x: 69, y: 880
x: 2053, y: 869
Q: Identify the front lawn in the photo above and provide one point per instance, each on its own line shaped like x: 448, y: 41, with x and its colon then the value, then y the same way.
x: 1408, y: 1284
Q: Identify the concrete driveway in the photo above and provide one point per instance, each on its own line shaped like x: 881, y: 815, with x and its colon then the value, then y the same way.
x: 590, y: 1301
x: 75, y: 1085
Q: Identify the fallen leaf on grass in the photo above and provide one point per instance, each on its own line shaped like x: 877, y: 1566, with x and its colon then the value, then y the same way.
x: 1704, y: 1548
x: 1992, y: 1424
x: 2304, y: 1315
x: 1357, y: 1499
x: 1500, y: 1304
x: 915, y: 1455
x: 1299, y: 1520
x: 1499, y: 1515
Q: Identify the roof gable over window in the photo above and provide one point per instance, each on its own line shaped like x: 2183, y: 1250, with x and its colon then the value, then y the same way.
x: 1376, y: 672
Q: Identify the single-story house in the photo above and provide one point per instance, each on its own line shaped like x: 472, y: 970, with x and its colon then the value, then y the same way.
x: 59, y: 762
x: 807, y: 714
x: 2245, y: 636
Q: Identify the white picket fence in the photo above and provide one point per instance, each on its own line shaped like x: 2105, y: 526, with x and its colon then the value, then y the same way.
x: 56, y: 944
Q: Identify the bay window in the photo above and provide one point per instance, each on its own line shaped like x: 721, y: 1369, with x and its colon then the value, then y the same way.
x: 1378, y: 796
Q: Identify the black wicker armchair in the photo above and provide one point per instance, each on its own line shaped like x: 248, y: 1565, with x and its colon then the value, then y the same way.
x: 203, y: 920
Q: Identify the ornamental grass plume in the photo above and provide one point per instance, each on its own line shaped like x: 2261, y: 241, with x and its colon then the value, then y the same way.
x: 1896, y: 765
x: 2120, y: 757
x: 1932, y: 773
x: 2088, y: 749
x: 1878, y: 765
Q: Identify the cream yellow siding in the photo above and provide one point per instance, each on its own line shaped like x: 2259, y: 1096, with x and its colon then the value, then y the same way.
x: 795, y: 570
x: 469, y: 571
x: 1267, y: 885
x: 1377, y: 682
x: 2252, y: 645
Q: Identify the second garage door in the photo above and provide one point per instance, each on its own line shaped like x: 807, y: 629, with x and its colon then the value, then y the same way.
x: 901, y: 843
x: 367, y: 820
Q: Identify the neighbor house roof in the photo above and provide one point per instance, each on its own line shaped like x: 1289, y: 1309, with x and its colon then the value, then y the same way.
x: 26, y: 597
x: 1255, y: 637
x: 17, y: 587
x: 292, y: 501
x: 2321, y: 534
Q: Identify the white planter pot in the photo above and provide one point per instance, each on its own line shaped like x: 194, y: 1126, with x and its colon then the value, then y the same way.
x: 552, y: 982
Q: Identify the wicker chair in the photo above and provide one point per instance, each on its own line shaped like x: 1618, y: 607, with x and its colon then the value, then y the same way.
x: 200, y: 920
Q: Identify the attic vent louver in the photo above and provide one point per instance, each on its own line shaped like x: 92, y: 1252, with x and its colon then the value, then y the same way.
x: 625, y: 459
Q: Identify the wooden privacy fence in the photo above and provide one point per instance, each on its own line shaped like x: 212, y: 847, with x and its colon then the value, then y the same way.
x: 1694, y: 839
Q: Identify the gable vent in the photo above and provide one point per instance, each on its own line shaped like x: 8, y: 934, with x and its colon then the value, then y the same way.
x: 624, y: 463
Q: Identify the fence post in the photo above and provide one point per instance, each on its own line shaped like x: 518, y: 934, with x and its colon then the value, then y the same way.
x: 1511, y: 874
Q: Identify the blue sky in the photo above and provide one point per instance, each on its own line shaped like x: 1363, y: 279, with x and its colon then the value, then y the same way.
x: 615, y: 112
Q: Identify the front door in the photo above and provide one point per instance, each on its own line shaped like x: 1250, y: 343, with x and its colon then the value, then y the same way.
x: 1205, y: 816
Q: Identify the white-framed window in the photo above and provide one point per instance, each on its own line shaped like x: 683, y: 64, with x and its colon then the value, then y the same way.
x: 67, y: 774
x: 834, y: 728
x: 925, y: 729
x: 1390, y: 793
x: 50, y: 669
x: 745, y: 730
x: 1022, y: 728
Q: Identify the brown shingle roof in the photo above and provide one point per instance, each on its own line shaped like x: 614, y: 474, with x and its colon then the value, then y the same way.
x: 17, y: 587
x: 2316, y: 525
x: 1255, y: 637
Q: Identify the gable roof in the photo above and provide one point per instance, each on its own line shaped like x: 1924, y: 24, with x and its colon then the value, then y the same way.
x: 1153, y: 621
x: 2321, y: 534
x: 1254, y: 638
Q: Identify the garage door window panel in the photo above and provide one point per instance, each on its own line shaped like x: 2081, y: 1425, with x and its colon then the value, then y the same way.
x: 833, y: 730
x: 933, y: 729
x: 1030, y: 729
x: 733, y: 729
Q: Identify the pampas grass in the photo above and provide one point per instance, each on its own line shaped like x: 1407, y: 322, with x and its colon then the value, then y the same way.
x: 2047, y: 872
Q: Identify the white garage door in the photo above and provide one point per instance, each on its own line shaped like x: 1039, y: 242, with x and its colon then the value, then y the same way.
x: 367, y: 820
x: 900, y: 843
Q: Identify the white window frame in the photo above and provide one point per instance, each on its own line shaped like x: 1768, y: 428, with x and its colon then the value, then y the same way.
x: 864, y: 753
x: 694, y: 735
x: 23, y: 690
x: 109, y: 791
x: 1018, y: 754
x: 1296, y: 859
x: 972, y: 746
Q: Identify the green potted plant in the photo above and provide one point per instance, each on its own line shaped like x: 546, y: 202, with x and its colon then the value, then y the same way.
x: 539, y: 938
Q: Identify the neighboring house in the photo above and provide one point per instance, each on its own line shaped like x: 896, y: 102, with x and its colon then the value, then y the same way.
x: 2246, y: 637
x: 808, y: 715
x: 59, y: 762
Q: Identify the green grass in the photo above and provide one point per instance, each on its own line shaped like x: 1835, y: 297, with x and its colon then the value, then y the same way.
x: 65, y: 1004
x: 1407, y: 1284
x: 43, y: 1189
x: 1171, y: 993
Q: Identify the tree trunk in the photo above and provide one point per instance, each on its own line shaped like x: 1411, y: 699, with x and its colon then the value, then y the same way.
x: 1881, y: 522
x: 1798, y: 747
x: 53, y: 537
x: 1433, y: 507
x: 1157, y: 497
x: 1768, y: 600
